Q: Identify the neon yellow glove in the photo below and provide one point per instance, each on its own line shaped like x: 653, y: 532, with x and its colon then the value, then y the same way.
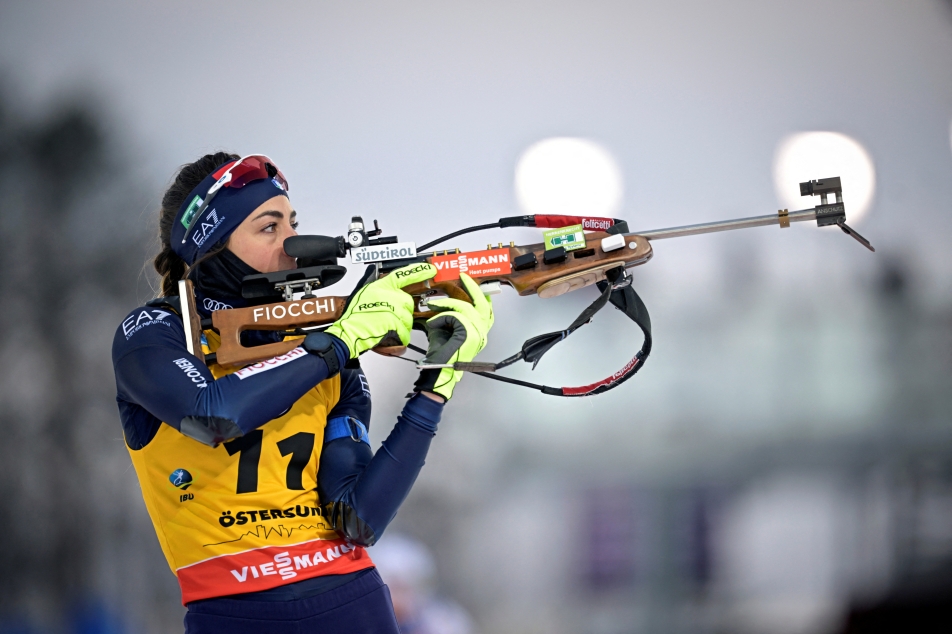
x: 458, y: 333
x: 379, y: 309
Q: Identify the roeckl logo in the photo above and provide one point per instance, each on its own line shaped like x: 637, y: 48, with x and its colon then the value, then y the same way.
x: 133, y: 323
x: 399, y: 273
x: 374, y: 305
x: 207, y: 226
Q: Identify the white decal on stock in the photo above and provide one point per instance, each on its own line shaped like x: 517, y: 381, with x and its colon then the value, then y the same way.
x: 270, y: 364
x: 295, y: 309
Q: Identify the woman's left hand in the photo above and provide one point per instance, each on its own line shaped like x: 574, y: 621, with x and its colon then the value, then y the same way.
x: 458, y: 333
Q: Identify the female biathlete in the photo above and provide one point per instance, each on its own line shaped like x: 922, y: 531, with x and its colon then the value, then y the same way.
x: 261, y: 482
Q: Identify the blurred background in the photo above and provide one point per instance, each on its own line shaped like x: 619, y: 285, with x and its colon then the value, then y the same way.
x: 783, y: 463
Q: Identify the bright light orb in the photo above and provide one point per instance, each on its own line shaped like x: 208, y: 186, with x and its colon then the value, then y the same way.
x: 571, y: 176
x: 813, y: 155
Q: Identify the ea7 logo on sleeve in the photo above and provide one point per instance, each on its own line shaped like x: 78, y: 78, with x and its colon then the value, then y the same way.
x: 137, y: 321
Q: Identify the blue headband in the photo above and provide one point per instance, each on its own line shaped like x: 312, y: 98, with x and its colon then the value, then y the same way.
x: 229, y: 209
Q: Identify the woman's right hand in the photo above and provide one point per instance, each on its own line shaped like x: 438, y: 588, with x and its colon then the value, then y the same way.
x: 379, y: 309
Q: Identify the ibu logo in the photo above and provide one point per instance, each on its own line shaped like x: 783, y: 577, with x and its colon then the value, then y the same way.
x: 181, y: 479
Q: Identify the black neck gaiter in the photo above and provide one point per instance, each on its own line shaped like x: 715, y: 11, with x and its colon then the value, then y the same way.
x: 219, y: 277
x: 218, y: 287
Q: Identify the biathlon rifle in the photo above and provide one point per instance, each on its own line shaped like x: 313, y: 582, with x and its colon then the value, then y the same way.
x: 569, y: 260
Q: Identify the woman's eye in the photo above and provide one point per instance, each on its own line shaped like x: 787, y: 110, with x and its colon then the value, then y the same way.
x: 269, y: 228
x: 294, y: 225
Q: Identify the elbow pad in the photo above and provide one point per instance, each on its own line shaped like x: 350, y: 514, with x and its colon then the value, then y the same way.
x: 344, y: 519
x: 210, y: 430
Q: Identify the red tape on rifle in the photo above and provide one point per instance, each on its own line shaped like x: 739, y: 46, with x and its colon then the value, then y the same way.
x: 592, y: 223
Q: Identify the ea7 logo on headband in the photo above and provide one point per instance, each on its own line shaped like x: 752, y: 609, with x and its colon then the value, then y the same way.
x: 206, y: 227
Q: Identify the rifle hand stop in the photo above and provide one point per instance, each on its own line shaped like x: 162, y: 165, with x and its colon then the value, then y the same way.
x: 831, y: 213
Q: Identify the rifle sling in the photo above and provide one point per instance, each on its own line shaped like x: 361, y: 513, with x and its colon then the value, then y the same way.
x: 617, y: 290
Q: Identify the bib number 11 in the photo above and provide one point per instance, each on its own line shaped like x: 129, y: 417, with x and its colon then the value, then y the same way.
x: 299, y: 446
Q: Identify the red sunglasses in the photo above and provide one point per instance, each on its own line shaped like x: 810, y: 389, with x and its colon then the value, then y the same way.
x: 248, y: 169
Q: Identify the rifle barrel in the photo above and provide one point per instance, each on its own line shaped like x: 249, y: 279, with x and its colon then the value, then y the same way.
x: 728, y: 225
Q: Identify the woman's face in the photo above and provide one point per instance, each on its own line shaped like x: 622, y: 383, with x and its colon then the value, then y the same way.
x: 259, y: 240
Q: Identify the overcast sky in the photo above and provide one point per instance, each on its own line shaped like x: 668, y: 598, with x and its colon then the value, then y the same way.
x: 415, y: 110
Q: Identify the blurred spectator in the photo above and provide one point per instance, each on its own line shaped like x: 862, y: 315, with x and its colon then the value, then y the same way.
x: 407, y: 567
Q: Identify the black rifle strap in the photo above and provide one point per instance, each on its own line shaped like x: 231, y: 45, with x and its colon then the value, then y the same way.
x: 617, y: 290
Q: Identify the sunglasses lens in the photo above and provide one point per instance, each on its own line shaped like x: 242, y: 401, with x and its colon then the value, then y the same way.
x: 254, y: 168
x: 248, y: 170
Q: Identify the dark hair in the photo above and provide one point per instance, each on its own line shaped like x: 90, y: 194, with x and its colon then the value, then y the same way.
x: 167, y: 263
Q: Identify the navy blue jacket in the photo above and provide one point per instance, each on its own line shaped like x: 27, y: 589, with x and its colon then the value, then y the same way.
x: 159, y: 382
